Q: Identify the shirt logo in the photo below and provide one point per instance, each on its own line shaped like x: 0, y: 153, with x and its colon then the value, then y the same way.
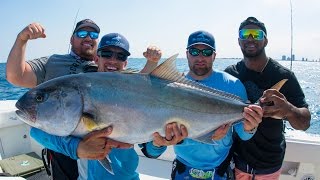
x: 201, y: 38
x: 200, y: 174
x: 115, y: 41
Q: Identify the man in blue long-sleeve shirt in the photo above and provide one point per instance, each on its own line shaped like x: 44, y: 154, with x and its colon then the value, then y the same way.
x: 196, y: 160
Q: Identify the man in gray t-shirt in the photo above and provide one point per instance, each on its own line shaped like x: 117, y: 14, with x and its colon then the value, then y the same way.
x: 31, y: 73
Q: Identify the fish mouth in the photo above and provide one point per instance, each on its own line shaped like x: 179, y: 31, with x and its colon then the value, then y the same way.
x: 22, y: 115
x: 25, y: 116
x: 25, y: 112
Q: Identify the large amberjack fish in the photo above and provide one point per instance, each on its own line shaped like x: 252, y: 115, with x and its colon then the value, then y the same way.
x: 136, y: 105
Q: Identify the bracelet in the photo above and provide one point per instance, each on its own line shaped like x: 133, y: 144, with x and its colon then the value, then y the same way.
x: 252, y: 131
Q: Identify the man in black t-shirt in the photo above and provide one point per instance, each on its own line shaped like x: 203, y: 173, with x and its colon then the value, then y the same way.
x: 262, y: 155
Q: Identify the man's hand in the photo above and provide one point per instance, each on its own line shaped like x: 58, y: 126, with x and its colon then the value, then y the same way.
x: 153, y: 54
x: 253, y: 116
x: 221, y: 132
x: 275, y: 104
x: 173, y: 135
x: 32, y: 31
x: 96, y: 145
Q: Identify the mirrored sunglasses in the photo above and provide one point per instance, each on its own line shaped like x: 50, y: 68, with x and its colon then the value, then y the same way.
x: 204, y: 52
x: 84, y: 34
x: 109, y: 54
x: 256, y: 34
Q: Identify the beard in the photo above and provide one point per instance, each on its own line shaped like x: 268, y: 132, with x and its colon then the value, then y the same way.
x: 251, y: 55
x: 200, y: 71
x: 85, y: 54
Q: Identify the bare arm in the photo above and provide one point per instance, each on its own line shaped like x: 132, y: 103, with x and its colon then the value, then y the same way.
x: 18, y: 72
x: 153, y: 55
x: 299, y: 118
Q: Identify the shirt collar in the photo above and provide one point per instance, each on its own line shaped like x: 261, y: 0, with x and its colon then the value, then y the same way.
x: 74, y: 55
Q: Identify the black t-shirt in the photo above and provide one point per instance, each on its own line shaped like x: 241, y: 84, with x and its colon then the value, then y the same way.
x: 266, y: 148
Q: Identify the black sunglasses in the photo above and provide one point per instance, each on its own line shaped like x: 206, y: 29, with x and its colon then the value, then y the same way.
x: 204, y: 52
x: 84, y: 34
x: 109, y: 54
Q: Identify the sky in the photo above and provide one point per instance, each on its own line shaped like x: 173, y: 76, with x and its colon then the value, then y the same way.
x: 164, y: 23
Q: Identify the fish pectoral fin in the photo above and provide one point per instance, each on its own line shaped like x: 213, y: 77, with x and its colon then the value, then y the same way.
x: 106, y: 164
x: 88, y: 121
x: 206, y: 138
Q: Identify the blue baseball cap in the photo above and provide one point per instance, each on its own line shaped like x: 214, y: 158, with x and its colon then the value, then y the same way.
x: 116, y: 40
x: 201, y: 37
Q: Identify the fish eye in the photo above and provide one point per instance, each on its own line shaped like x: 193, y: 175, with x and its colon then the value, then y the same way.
x: 40, y: 97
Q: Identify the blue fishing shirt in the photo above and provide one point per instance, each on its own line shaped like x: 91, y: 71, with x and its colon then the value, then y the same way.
x: 206, y: 156
x: 124, y: 161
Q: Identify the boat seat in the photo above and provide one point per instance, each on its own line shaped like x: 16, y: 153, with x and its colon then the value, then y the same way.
x: 22, y: 165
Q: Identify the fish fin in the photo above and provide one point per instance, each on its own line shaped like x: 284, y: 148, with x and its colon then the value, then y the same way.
x: 88, y: 121
x: 106, y: 164
x: 206, y: 138
x: 277, y: 87
x: 279, y: 84
x: 168, y: 71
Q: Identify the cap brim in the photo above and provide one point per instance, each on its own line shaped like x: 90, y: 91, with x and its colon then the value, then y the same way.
x: 102, y: 48
x: 201, y: 43
x: 95, y: 27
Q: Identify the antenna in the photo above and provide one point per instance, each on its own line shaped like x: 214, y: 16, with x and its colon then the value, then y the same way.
x: 74, y: 24
x: 291, y: 36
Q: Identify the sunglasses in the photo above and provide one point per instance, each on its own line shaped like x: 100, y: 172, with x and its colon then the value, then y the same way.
x: 256, y: 34
x: 196, y: 52
x: 84, y: 34
x: 109, y: 54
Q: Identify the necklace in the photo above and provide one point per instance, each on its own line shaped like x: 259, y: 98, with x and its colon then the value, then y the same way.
x: 265, y: 65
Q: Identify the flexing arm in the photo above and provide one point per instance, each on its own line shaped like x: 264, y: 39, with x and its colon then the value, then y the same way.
x: 153, y: 55
x: 18, y: 72
x: 299, y: 118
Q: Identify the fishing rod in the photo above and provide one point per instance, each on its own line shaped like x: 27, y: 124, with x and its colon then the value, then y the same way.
x: 74, y: 24
x: 291, y: 53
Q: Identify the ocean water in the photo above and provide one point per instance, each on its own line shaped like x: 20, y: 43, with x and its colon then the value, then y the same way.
x: 308, y: 74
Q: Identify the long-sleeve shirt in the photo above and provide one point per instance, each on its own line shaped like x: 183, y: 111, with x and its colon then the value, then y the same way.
x: 205, y: 156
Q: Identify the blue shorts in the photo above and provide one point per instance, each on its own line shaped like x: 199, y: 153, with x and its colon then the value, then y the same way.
x: 182, y: 172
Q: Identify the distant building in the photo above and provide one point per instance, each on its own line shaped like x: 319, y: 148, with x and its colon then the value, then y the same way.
x: 283, y: 57
x: 289, y: 58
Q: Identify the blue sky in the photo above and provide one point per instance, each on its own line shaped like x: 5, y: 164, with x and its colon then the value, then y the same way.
x: 165, y: 23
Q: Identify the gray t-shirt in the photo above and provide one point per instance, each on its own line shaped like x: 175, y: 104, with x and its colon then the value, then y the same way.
x: 47, y: 68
